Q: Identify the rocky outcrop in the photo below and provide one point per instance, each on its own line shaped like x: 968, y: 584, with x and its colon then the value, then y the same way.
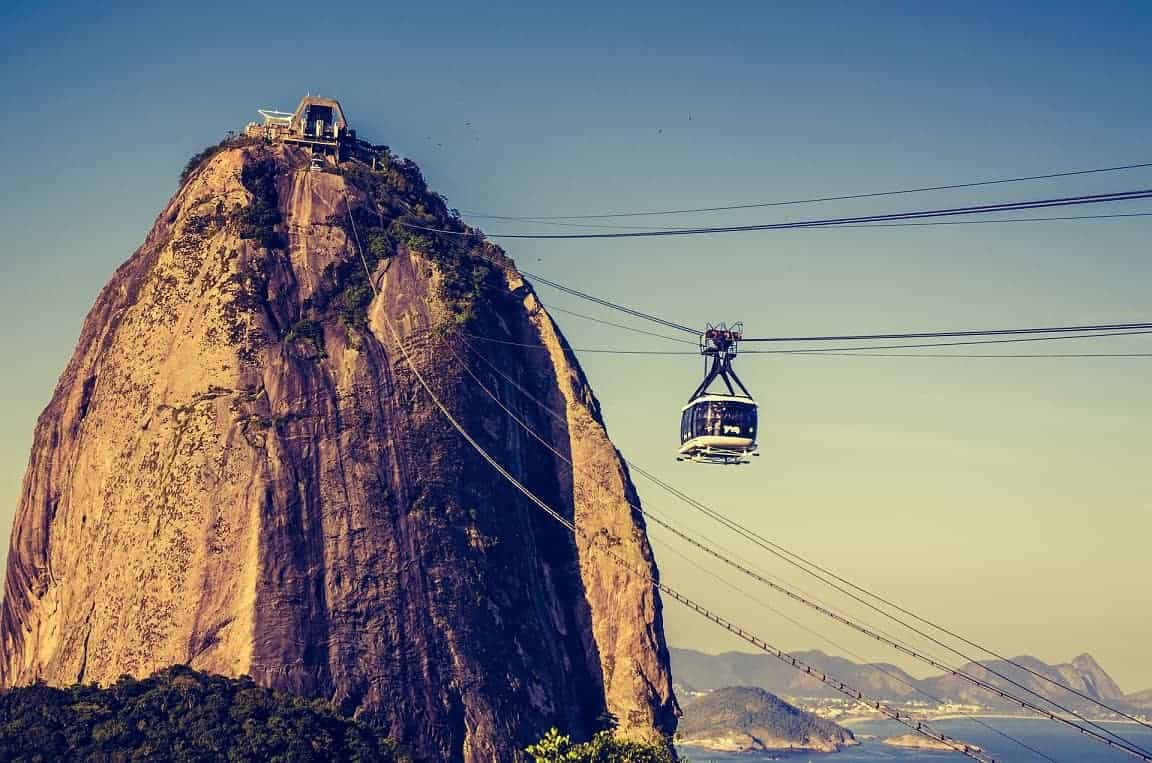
x: 239, y: 471
x: 914, y: 741
x: 748, y: 719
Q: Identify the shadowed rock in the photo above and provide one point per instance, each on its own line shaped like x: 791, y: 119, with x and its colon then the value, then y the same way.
x: 238, y: 471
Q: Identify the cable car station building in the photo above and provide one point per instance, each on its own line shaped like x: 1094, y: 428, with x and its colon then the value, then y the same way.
x: 318, y: 124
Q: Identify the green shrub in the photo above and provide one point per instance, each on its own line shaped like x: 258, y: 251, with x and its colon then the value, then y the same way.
x: 603, y: 748
x: 181, y: 714
x: 258, y: 220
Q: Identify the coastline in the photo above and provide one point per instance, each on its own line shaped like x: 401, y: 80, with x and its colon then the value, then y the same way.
x: 859, y: 719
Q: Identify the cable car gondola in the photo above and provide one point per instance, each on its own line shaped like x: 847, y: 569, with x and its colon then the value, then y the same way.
x: 718, y: 428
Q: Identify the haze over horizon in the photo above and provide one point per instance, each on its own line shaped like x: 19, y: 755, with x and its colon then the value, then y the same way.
x: 1008, y: 498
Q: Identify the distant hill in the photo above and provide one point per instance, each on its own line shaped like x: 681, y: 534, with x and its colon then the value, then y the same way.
x: 180, y: 714
x: 1083, y: 674
x: 704, y: 672
x: 1141, y: 699
x: 747, y: 718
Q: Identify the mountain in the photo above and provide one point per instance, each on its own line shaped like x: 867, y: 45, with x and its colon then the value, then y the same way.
x: 1083, y: 674
x: 745, y: 718
x: 1141, y: 699
x: 700, y: 671
x: 705, y: 672
x: 241, y: 471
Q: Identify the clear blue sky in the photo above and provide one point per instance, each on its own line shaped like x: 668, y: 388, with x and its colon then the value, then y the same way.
x: 1010, y: 498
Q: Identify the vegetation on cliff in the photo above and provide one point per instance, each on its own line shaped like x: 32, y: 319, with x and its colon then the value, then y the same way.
x: 555, y: 747
x: 180, y: 714
x: 402, y: 210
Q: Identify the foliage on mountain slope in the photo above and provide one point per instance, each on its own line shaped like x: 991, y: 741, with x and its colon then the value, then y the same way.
x: 180, y: 714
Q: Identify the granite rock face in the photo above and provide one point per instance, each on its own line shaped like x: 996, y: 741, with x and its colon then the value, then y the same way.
x: 239, y: 471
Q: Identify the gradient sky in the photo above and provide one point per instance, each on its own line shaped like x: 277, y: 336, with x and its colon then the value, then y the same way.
x: 1008, y: 498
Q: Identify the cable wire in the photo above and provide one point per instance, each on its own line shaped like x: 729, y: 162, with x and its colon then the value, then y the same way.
x: 648, y: 513
x: 818, y: 199
x: 1054, y: 219
x: 803, y: 564
x: 1063, y: 201
x: 1046, y: 219
x: 844, y: 337
x: 944, y: 334
x: 902, y: 718
x: 864, y: 351
x: 1103, y: 737
x: 612, y: 305
x: 634, y: 330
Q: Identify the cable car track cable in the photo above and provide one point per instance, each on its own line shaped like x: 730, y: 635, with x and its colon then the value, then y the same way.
x: 815, y: 200
x: 846, y: 337
x: 864, y: 662
x: 799, y: 561
x: 843, y: 688
x: 944, y: 334
x: 1048, y: 219
x: 544, y: 442
x: 1063, y: 201
x: 619, y: 325
x: 612, y: 305
x: 666, y: 525
x: 864, y: 352
x: 1101, y: 735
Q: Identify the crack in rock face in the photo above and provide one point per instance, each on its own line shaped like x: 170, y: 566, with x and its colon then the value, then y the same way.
x: 238, y: 471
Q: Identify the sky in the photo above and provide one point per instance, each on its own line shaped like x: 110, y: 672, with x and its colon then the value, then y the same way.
x: 1007, y: 498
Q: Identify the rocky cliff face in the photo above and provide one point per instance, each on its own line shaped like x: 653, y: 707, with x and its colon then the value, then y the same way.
x: 239, y: 471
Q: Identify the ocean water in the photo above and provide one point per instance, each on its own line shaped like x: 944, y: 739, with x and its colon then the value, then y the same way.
x: 1058, y: 742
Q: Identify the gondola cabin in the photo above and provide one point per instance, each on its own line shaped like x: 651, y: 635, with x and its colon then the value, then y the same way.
x: 718, y: 429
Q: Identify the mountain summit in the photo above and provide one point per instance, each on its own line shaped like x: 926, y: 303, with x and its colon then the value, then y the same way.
x: 240, y: 471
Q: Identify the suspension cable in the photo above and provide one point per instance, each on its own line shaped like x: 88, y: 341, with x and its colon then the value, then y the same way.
x: 1123, y: 744
x: 633, y: 329
x: 841, y: 687
x: 929, y: 223
x: 819, y: 199
x: 1072, y: 329
x: 613, y: 305
x: 803, y: 564
x: 978, y: 209
x: 668, y: 526
x: 862, y: 352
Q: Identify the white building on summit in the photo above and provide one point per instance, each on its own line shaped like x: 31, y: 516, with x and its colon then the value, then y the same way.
x: 318, y: 124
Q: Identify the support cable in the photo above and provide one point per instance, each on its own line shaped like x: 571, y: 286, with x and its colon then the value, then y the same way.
x: 1103, y: 737
x: 803, y: 564
x: 1072, y: 329
x: 612, y: 305
x: 669, y: 527
x: 978, y: 209
x: 620, y: 325
x: 930, y: 223
x: 863, y: 351
x: 816, y: 200
x: 841, y: 687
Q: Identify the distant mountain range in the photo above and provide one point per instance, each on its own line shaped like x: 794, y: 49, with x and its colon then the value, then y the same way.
x: 704, y: 672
